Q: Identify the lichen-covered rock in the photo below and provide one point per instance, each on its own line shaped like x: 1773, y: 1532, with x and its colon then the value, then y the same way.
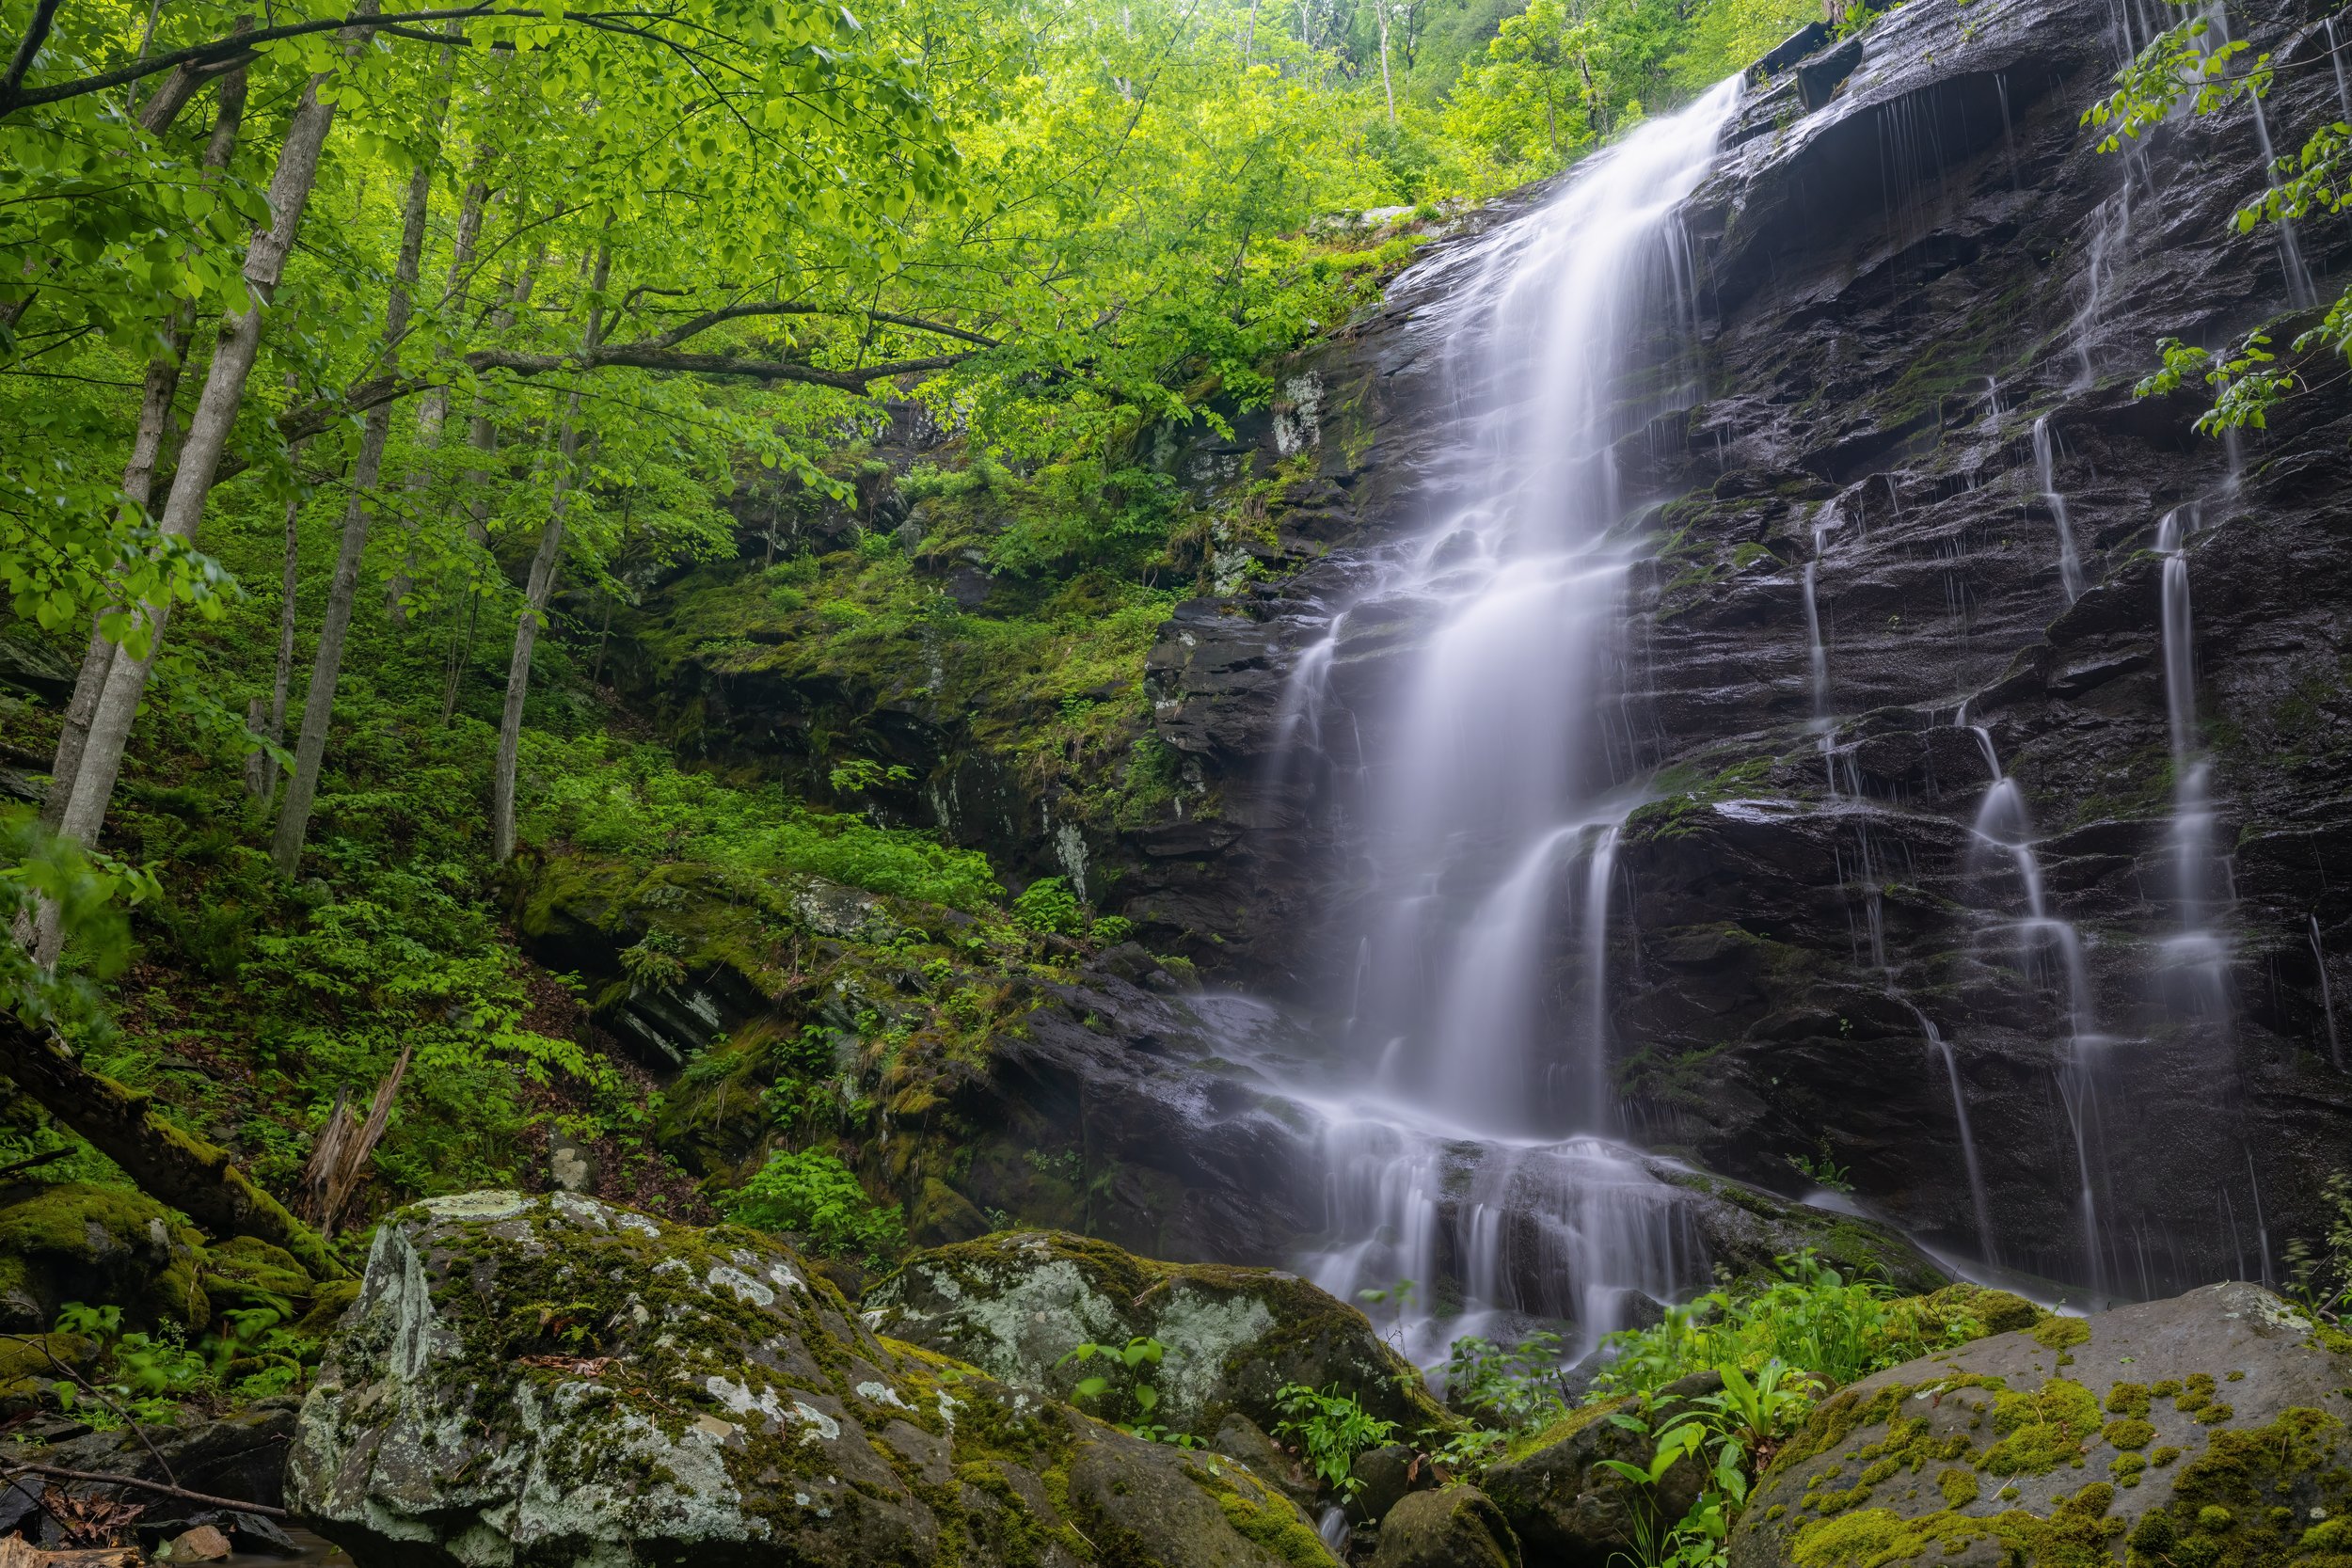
x: 1454, y: 1527
x: 1016, y: 1305
x: 2208, y: 1429
x: 79, y: 1242
x: 555, y: 1383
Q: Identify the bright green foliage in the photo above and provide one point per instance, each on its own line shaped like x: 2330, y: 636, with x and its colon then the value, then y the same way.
x: 2245, y: 385
x: 607, y: 798
x: 2181, y: 69
x: 813, y: 1194
x: 145, y: 1377
x: 1330, y: 1428
x: 2176, y: 65
x: 2320, y: 1276
x: 1811, y: 1319
x: 1048, y: 905
x: 1133, y: 1359
x: 1516, y: 1388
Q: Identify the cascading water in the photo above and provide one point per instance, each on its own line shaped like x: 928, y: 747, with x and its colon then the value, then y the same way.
x: 2004, y: 830
x: 2045, y: 470
x: 2335, y: 59
x: 2197, y: 951
x: 1468, y: 1148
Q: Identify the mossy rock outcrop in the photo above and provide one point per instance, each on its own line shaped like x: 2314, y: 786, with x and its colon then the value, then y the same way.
x: 2208, y: 1430
x: 101, y: 1245
x: 1456, y: 1526
x: 1019, y: 1303
x: 556, y: 1383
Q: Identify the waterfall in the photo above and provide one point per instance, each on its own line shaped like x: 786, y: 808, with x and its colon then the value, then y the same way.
x: 2045, y: 470
x: 1464, y: 1137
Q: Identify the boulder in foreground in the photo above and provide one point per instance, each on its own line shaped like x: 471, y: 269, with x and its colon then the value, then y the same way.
x: 555, y: 1383
x: 2209, y: 1430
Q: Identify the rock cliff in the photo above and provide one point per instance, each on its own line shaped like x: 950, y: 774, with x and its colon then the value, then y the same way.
x: 1924, y: 297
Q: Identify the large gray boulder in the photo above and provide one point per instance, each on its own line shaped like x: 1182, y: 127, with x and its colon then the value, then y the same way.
x: 2207, y: 1430
x: 1017, y: 1304
x: 555, y: 1383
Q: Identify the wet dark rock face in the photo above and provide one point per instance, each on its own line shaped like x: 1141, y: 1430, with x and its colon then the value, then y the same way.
x: 1909, y: 253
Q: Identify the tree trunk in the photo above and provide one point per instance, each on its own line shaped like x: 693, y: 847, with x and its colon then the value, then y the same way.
x: 433, y: 408
x: 483, y: 435
x: 262, y: 769
x: 149, y: 439
x: 171, y: 1165
x: 239, y: 344
x: 537, y: 592
x: 318, y: 702
x: 1381, y: 10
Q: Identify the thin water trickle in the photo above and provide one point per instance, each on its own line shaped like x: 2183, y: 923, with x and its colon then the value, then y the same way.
x: 2327, y: 997
x: 2103, y: 254
x: 2335, y: 59
x: 1466, y: 1140
x: 2045, y: 470
x: 1979, y: 1196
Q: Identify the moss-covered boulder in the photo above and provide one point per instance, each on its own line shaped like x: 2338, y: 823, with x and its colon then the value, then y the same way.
x: 1556, y: 1491
x: 2210, y: 1430
x: 555, y: 1383
x: 1456, y: 1526
x: 1019, y: 1304
x: 102, y: 1245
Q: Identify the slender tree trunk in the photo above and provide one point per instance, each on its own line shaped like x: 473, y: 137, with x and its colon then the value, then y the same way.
x: 262, y: 769
x: 149, y: 441
x: 1380, y: 9
x: 318, y: 701
x: 1249, y: 34
x: 433, y: 408
x: 239, y: 345
x: 537, y: 590
x: 483, y: 435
